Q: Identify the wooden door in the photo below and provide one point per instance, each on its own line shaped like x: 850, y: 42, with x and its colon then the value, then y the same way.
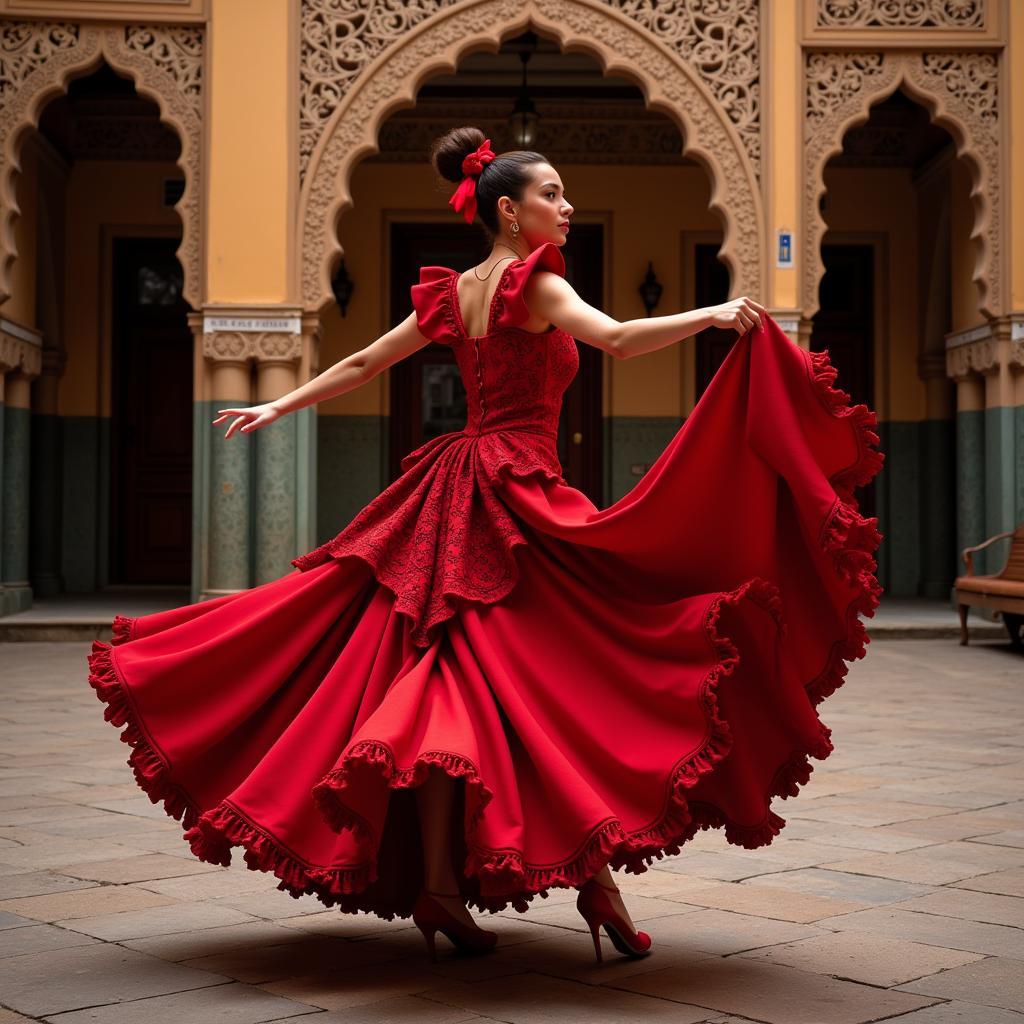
x: 711, y: 287
x: 151, y: 416
x: 845, y: 326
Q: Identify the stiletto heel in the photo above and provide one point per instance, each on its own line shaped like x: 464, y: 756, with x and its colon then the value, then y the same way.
x: 431, y: 917
x: 597, y: 910
x: 430, y: 935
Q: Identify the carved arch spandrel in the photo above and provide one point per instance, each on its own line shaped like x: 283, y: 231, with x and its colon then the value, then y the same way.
x: 165, y: 62
x: 960, y: 93
x: 622, y: 46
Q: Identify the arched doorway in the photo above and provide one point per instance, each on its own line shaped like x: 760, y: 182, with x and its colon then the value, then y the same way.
x: 100, y: 177
x: 895, y: 209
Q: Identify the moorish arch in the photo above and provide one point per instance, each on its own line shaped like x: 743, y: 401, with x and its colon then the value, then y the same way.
x: 165, y: 62
x: 960, y: 93
x: 622, y: 45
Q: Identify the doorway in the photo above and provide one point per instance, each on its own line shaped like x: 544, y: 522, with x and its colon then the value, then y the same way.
x: 151, y: 415
x: 845, y: 326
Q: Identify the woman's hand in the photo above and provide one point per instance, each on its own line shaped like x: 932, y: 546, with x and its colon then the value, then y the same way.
x: 254, y: 417
x: 741, y: 314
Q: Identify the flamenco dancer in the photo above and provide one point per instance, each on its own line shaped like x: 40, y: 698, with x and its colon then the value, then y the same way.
x: 485, y: 687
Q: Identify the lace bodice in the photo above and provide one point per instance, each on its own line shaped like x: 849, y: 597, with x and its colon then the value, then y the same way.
x: 441, y: 533
x: 514, y: 378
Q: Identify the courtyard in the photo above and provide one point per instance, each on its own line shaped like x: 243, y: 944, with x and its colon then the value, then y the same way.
x: 895, y: 890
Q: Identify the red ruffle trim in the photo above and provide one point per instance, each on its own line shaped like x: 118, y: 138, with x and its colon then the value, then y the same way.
x: 505, y: 876
x: 847, y: 535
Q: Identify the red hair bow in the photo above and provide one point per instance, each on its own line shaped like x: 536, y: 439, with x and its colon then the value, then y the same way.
x: 464, y: 199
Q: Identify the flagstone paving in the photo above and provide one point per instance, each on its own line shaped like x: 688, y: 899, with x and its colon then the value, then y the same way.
x: 895, y: 891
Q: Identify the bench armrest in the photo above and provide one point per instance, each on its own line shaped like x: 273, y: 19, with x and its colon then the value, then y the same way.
x: 968, y: 553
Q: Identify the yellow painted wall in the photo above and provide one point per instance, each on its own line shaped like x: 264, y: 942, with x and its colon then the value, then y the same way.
x: 102, y: 195
x: 252, y: 167
x: 645, y: 210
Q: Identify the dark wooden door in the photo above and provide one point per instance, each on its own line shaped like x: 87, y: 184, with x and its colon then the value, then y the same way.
x: 151, y: 416
x: 427, y: 395
x: 844, y: 325
x: 711, y: 286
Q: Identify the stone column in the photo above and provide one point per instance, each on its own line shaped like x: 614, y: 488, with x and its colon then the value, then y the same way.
x: 276, y: 511
x: 47, y: 493
x: 20, y: 363
x: 939, y: 555
x: 255, y: 493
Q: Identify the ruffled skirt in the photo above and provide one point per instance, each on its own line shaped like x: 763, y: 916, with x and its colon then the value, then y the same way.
x: 604, y: 682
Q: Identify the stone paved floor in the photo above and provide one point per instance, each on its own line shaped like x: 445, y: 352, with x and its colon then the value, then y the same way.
x: 896, y: 890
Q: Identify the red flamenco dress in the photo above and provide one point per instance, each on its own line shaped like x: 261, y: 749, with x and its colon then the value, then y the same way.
x: 605, y: 682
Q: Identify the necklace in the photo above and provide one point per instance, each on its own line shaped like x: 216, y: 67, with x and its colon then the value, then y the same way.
x: 491, y: 271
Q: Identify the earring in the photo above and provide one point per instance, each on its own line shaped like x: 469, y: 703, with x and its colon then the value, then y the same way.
x: 515, y: 227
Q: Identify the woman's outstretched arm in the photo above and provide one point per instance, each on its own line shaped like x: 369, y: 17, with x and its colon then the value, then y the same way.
x: 550, y: 296
x: 345, y: 375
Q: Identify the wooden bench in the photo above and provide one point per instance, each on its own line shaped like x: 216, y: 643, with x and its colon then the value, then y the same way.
x: 1002, y: 591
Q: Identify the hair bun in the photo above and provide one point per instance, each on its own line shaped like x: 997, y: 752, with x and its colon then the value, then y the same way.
x: 449, y: 150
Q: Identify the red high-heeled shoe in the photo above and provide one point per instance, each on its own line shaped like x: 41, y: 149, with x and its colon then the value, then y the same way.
x: 597, y: 910
x: 431, y: 917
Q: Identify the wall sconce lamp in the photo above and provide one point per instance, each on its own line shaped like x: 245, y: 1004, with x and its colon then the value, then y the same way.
x: 651, y: 289
x: 342, y: 286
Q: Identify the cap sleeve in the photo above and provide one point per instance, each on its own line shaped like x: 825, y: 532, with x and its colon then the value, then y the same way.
x: 431, y: 300
x: 512, y: 309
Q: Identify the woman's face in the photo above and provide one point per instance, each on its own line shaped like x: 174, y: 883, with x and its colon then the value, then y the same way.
x: 543, y: 212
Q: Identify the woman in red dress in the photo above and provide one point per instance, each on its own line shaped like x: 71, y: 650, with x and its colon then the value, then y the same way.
x: 603, y: 682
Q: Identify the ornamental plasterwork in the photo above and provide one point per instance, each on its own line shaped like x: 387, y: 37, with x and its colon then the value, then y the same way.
x: 973, y: 359
x: 597, y: 134
x: 917, y: 14
x: 619, y: 43
x: 262, y: 346
x: 19, y: 352
x: 39, y: 58
x: 960, y: 92
x: 719, y: 41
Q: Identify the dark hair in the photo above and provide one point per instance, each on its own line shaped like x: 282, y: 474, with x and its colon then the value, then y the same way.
x: 505, y: 175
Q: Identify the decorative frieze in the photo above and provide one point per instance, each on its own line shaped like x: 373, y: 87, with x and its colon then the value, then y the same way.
x: 916, y: 14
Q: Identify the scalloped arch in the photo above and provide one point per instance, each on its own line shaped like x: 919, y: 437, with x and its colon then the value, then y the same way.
x: 391, y: 81
x: 60, y: 52
x: 871, y: 77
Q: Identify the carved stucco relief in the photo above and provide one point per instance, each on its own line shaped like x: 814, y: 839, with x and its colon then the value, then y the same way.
x: 619, y: 43
x: 39, y: 58
x: 719, y: 41
x: 926, y: 14
x: 960, y: 92
x: 261, y: 346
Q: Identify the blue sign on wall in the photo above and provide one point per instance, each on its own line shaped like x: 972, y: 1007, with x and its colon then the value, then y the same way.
x: 784, y: 257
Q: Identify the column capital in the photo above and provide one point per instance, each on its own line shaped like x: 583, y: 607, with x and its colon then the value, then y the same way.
x: 1009, y: 329
x: 21, y: 348
x: 971, y: 352
x: 261, y: 334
